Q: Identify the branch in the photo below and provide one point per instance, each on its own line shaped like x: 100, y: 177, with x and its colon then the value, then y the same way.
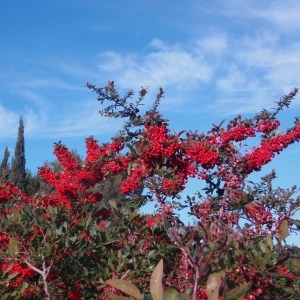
x: 44, y: 273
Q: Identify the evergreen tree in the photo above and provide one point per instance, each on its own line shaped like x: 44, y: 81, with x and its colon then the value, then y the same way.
x: 110, y: 189
x: 32, y: 183
x: 4, y: 166
x: 18, y: 171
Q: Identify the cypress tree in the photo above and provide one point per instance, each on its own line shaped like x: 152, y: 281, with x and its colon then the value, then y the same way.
x: 18, y: 171
x: 4, y: 166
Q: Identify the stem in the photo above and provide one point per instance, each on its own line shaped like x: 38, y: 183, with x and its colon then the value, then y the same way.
x: 127, y: 272
x: 196, y: 283
x: 44, y: 273
x: 195, y: 265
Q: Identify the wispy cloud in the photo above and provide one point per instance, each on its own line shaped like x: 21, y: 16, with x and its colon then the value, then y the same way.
x: 216, y: 71
x: 83, y: 120
x: 214, y: 45
x: 245, y: 74
x: 164, y: 65
x: 70, y: 114
x: 282, y: 15
x: 8, y: 123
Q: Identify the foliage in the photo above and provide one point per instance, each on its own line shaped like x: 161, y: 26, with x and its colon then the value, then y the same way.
x: 66, y: 243
x: 18, y: 171
x: 4, y: 166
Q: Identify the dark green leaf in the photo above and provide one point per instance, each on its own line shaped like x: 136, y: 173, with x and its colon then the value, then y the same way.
x: 239, y: 292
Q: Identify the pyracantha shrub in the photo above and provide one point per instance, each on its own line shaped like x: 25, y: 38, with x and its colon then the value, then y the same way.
x: 72, y: 243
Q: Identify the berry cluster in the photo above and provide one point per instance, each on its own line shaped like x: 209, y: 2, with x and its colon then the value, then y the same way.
x: 284, y: 272
x: 263, y: 154
x: 267, y: 126
x: 201, y: 154
x: 162, y: 162
x: 236, y: 134
x: 23, y: 272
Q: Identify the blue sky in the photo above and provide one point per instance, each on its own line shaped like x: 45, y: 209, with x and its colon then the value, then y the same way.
x: 215, y: 59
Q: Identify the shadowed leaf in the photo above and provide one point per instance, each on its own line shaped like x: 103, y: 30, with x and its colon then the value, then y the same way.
x: 238, y: 292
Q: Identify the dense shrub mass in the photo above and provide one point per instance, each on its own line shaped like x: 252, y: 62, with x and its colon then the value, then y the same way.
x: 69, y: 242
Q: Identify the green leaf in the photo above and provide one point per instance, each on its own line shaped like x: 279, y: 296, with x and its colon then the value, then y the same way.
x: 296, y: 222
x: 283, y: 230
x: 167, y: 228
x: 270, y: 242
x: 125, y: 287
x: 58, y: 231
x: 23, y: 287
x: 211, y: 245
x: 147, y: 297
x: 12, y: 276
x: 256, y: 239
x: 27, y: 210
x: 294, y: 265
x: 165, y: 159
x: 171, y: 294
x: 74, y: 238
x: 113, y: 204
x: 262, y: 246
x: 184, y: 297
x: 129, y: 167
x: 88, y: 221
x: 48, y: 250
x: 108, y: 236
x: 156, y: 288
x: 238, y: 292
x: 13, y: 247
x: 132, y: 150
x: 52, y: 210
x: 213, y: 284
x: 117, y: 297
